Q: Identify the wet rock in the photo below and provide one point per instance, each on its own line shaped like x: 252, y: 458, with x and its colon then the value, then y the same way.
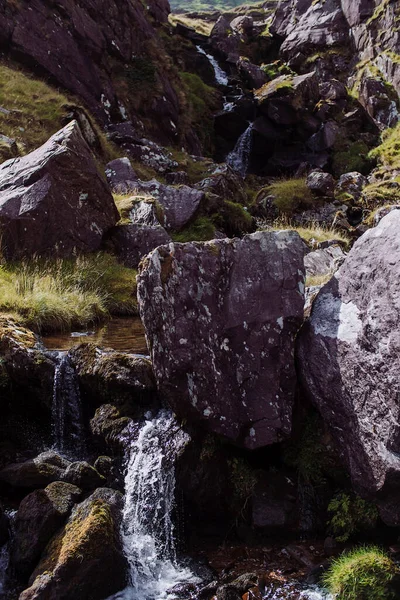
x: 38, y: 518
x: 120, y: 176
x: 221, y: 318
x: 350, y: 186
x: 274, y: 502
x: 179, y: 204
x: 84, y: 476
x: 37, y: 472
x: 108, y: 424
x: 322, y: 184
x: 132, y: 242
x: 108, y: 375
x: 54, y: 201
x: 108, y: 468
x: 85, y: 559
x: 348, y: 354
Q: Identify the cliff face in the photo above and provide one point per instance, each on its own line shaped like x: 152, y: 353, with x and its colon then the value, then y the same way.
x: 366, y: 26
x: 107, y: 53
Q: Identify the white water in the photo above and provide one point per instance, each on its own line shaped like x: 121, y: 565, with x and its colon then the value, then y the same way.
x: 67, y: 419
x: 291, y: 591
x: 239, y: 158
x: 220, y: 75
x: 147, y: 525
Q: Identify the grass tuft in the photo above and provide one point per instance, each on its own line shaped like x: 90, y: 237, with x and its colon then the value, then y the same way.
x: 290, y: 195
x: 312, y: 234
x: 58, y: 295
x: 361, y: 574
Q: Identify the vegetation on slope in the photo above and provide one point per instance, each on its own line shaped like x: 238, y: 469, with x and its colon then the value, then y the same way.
x: 205, y: 5
x: 59, y: 295
x: 361, y: 574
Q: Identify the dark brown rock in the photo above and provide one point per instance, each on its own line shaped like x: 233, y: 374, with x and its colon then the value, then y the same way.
x: 221, y: 318
x: 54, y: 201
x: 84, y: 476
x: 132, y: 242
x: 348, y: 362
x: 37, y: 472
x: 85, y: 558
x: 38, y: 518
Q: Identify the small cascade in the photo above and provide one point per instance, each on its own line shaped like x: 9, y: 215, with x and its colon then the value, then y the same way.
x: 239, y: 158
x: 292, y: 590
x: 67, y: 419
x: 147, y: 525
x: 220, y: 75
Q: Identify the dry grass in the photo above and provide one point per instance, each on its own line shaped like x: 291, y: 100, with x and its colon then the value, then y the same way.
x: 59, y: 295
x: 312, y: 234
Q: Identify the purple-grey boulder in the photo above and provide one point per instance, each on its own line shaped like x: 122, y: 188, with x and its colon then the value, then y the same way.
x: 121, y: 177
x: 54, y: 200
x: 221, y: 318
x: 132, y: 242
x: 349, y: 353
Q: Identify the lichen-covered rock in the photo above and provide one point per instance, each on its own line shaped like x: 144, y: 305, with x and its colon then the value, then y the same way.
x: 320, y: 183
x: 121, y: 178
x: 54, y: 200
x: 132, y: 242
x: 38, y: 518
x: 111, y: 376
x: 349, y: 352
x: 36, y: 472
x: 108, y: 424
x: 324, y: 261
x: 84, y: 476
x: 85, y: 559
x: 221, y: 318
x: 350, y: 186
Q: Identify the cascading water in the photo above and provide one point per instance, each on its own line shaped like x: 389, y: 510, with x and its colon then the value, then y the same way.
x: 220, y: 76
x: 239, y: 158
x: 67, y: 420
x: 147, y: 524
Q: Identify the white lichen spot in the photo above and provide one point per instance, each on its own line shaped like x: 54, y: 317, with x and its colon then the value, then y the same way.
x: 207, y: 412
x: 224, y: 345
x: 252, y: 432
x: 182, y: 341
x: 280, y: 322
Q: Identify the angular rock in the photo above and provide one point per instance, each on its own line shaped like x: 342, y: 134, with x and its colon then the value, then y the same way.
x: 322, y: 184
x: 350, y: 185
x: 348, y: 354
x: 84, y: 476
x: 152, y: 155
x: 38, y: 518
x: 253, y: 76
x: 120, y: 176
x: 146, y: 211
x: 54, y: 201
x: 221, y: 318
x: 179, y: 204
x: 324, y: 261
x: 85, y: 559
x: 132, y: 242
x: 382, y: 212
x: 37, y: 472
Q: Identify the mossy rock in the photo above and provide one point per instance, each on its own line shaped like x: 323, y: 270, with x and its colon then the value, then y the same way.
x: 85, y: 559
x: 36, y: 472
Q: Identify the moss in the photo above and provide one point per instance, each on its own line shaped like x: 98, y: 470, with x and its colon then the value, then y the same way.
x: 233, y: 219
x: 361, y: 574
x: 290, y: 195
x: 201, y: 230
x: 243, y: 478
x: 350, y: 515
x: 141, y: 70
x: 351, y: 156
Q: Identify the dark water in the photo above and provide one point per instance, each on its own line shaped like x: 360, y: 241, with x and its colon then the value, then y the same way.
x: 125, y: 334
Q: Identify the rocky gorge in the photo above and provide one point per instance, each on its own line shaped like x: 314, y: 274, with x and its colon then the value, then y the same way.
x: 199, y: 307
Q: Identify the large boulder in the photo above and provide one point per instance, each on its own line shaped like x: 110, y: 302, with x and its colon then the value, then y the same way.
x: 348, y: 356
x: 85, y: 558
x: 36, y: 472
x: 39, y: 516
x: 54, y: 200
x: 221, y: 318
x: 132, y: 242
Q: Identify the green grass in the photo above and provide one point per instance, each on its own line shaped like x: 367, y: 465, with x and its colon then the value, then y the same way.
x: 361, y: 574
x: 202, y: 101
x: 290, y: 195
x: 58, y: 295
x: 125, y: 203
x: 36, y: 111
x: 201, y: 230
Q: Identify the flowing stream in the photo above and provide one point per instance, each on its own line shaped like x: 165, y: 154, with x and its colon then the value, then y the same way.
x: 67, y: 418
x: 221, y: 76
x: 147, y: 524
x: 239, y: 158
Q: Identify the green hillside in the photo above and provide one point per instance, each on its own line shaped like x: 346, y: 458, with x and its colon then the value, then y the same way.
x: 200, y: 5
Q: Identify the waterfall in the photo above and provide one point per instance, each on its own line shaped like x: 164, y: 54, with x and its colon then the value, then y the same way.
x: 239, y: 158
x: 220, y: 75
x: 67, y: 419
x: 147, y: 523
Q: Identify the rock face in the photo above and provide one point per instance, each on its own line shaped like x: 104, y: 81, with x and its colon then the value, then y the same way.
x: 85, y: 559
x: 221, y: 318
x: 348, y: 360
x: 54, y: 201
x: 105, y: 52
x: 39, y: 516
x: 132, y: 242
